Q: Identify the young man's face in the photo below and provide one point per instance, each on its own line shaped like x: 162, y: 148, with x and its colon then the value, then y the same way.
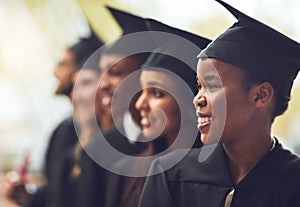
x: 114, y: 70
x: 221, y: 102
x: 63, y: 72
x: 85, y: 84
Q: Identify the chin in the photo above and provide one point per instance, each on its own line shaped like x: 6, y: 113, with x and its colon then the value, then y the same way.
x: 208, y: 140
x: 149, y: 135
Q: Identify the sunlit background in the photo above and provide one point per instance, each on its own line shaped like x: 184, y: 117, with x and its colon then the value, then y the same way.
x: 34, y: 32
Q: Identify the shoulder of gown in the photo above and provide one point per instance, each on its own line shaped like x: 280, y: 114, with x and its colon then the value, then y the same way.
x: 206, y: 183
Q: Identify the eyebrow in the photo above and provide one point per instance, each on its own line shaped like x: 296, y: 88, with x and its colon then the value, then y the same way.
x: 152, y: 83
x: 210, y: 77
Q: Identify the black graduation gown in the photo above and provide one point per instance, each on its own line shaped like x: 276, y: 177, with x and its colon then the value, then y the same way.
x: 115, y: 186
x: 274, y: 181
x: 116, y: 183
x: 88, y: 190
x: 63, y: 136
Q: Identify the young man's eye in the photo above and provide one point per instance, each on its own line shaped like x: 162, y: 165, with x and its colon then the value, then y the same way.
x: 114, y: 71
x: 86, y: 82
x: 63, y: 63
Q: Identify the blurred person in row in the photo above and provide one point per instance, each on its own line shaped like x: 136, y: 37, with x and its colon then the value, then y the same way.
x: 245, y: 78
x: 72, y: 168
x: 64, y: 134
x: 79, y: 53
x: 166, y: 114
x: 115, y: 64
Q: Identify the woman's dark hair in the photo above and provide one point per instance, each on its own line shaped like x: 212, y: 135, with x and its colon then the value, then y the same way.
x: 281, y: 102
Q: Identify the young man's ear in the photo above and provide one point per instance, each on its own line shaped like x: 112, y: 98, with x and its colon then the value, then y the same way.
x: 263, y: 94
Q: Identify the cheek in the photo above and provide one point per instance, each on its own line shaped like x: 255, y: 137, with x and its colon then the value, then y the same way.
x: 173, y: 116
x: 118, y: 79
x: 233, y: 115
x: 115, y: 83
x: 90, y: 96
x: 66, y: 73
x: 159, y: 109
x: 237, y: 104
x: 82, y: 95
x: 85, y: 95
x: 218, y: 105
x: 98, y: 96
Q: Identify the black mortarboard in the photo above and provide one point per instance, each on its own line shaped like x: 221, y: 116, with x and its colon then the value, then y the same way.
x: 154, y: 25
x: 85, y: 48
x: 173, y: 54
x: 129, y: 24
x: 163, y: 46
x: 258, y: 49
x: 92, y: 62
x: 158, y: 61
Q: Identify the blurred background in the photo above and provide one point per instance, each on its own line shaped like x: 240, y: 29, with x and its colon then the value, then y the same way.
x: 34, y: 32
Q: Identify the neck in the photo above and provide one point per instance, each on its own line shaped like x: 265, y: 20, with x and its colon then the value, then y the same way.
x: 185, y: 130
x: 106, y: 124
x: 243, y: 155
x: 105, y: 121
x: 86, y: 134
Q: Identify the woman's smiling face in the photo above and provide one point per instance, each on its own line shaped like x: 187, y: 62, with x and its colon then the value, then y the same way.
x: 222, y: 104
x: 160, y: 114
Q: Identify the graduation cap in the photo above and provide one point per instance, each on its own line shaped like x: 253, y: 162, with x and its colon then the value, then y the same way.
x: 92, y: 62
x: 158, y: 61
x: 171, y: 53
x: 154, y: 25
x: 85, y: 48
x: 163, y: 46
x: 129, y: 24
x: 258, y: 49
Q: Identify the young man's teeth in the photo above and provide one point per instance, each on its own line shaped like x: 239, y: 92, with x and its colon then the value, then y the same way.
x: 105, y: 101
x: 205, y: 120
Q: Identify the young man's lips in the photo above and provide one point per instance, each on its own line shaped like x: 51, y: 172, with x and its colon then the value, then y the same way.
x: 145, y: 122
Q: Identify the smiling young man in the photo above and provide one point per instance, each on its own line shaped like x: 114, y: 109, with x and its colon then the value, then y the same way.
x: 64, y: 136
x: 245, y: 78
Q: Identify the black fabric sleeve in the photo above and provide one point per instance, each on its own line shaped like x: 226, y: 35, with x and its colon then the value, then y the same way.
x: 156, y: 191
